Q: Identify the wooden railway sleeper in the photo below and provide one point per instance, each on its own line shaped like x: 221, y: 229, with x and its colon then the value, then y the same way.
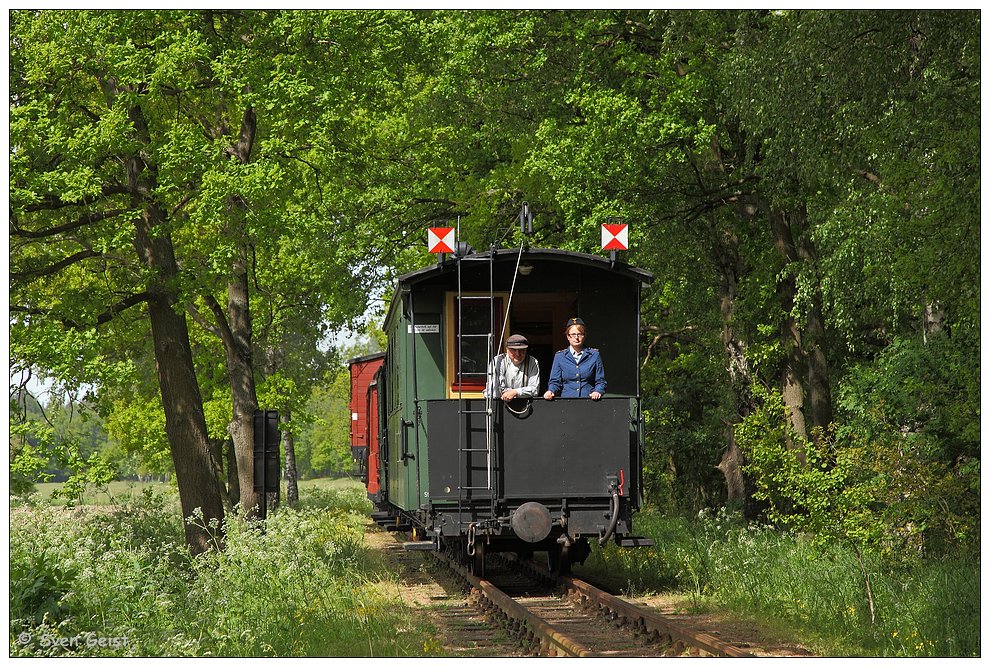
x: 562, y: 644
x: 646, y: 623
x: 684, y: 637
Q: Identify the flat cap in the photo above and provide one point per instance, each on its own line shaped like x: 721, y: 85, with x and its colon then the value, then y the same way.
x: 517, y: 341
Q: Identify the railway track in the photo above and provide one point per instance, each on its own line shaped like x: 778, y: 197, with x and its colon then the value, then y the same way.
x: 555, y: 615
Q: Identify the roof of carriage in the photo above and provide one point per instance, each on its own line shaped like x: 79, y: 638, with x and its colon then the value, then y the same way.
x: 365, y: 358
x: 534, y: 254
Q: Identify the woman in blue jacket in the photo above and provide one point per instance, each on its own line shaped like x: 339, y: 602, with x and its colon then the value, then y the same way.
x: 577, y: 371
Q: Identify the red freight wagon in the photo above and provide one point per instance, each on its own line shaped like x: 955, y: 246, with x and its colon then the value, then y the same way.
x: 364, y: 419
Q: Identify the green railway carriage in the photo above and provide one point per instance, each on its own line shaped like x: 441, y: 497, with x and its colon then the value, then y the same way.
x: 472, y: 474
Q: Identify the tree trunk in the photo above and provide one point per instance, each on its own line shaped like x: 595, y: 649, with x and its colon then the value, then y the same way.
x: 819, y: 385
x: 237, y: 336
x: 731, y: 267
x: 218, y: 448
x: 291, y: 473
x: 731, y: 468
x: 805, y: 384
x: 791, y: 374
x: 233, y: 484
x: 196, y: 471
x: 240, y: 370
x: 185, y: 425
x: 274, y: 358
x: 931, y: 320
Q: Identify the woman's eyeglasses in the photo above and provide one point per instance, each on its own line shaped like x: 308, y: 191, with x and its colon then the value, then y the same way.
x: 575, y: 335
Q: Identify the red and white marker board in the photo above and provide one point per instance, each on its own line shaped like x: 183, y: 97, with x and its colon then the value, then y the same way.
x: 615, y: 237
x: 440, y: 239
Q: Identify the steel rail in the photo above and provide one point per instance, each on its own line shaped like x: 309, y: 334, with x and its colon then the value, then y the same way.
x: 555, y: 642
x: 643, y: 619
x: 552, y: 639
x: 649, y: 621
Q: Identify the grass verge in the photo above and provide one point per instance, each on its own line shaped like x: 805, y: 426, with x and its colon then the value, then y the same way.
x: 921, y: 608
x: 117, y: 580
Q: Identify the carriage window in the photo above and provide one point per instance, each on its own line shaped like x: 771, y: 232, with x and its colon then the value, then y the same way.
x: 469, y: 327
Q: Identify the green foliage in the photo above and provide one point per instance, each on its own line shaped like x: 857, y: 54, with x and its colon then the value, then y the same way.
x: 812, y: 590
x: 174, y: 87
x: 691, y: 125
x: 303, y: 586
x: 912, y: 422
x: 137, y: 429
x: 323, y: 445
x: 859, y: 484
x: 684, y: 431
x: 60, y: 440
x: 928, y: 391
x: 31, y: 444
x: 96, y: 471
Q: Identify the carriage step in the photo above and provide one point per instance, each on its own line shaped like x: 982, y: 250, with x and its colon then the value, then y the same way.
x: 400, y: 528
x: 424, y: 545
x: 630, y: 541
x: 378, y: 516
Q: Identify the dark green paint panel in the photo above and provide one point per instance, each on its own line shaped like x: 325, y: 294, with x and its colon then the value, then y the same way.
x: 606, y: 298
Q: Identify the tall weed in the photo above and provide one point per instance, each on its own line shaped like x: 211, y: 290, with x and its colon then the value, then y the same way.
x: 924, y: 608
x: 120, y: 581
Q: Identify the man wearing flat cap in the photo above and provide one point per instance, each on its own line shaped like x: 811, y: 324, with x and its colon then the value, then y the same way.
x: 513, y: 374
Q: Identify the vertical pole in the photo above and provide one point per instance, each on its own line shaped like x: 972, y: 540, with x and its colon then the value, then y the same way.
x: 264, y: 475
x: 266, y: 442
x: 415, y: 421
x: 492, y: 352
x: 274, y: 439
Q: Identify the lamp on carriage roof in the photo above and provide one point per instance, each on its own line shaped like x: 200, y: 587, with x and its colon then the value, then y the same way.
x: 525, y: 269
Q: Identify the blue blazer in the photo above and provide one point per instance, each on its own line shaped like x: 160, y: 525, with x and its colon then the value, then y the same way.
x: 577, y: 380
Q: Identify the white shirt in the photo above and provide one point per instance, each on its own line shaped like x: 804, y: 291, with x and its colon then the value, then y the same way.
x: 524, y: 378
